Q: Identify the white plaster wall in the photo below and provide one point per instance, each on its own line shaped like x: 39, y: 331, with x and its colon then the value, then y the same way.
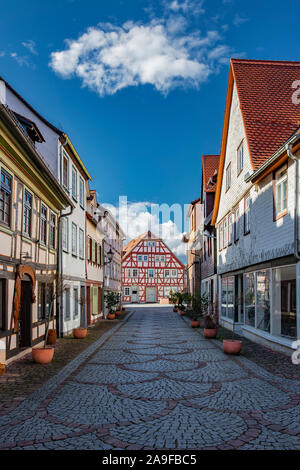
x: 268, y: 239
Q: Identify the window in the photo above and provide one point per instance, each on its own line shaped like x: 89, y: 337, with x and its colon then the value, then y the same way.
x: 174, y: 272
x: 220, y: 236
x: 93, y: 251
x: 249, y: 286
x: 5, y: 198
x: 74, y: 183
x: 236, y: 224
x: 240, y: 158
x: 151, y: 273
x: 81, y: 192
x: 45, y: 296
x: 27, y: 213
x: 247, y: 215
x: 263, y: 300
x: 152, y: 244
x: 65, y: 172
x: 52, y: 230
x: 167, y: 273
x: 75, y: 300
x: 43, y: 239
x: 284, y: 302
x: 146, y: 258
x: 81, y: 243
x: 230, y: 229
x: 281, y: 192
x: 88, y: 248
x: 65, y: 234
x: 126, y: 291
x: 228, y: 177
x: 228, y: 295
x: 140, y: 258
x: 134, y: 273
x: 225, y: 232
x: 98, y: 254
x: 3, y: 304
x: 74, y: 239
x: 67, y: 306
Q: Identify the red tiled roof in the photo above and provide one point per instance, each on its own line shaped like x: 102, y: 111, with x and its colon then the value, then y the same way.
x: 265, y: 95
x: 210, y: 164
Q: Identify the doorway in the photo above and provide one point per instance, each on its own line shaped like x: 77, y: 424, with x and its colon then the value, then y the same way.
x: 25, y: 314
x: 134, y: 294
x: 151, y: 294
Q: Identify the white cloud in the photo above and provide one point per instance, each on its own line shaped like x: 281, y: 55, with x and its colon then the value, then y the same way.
x: 21, y: 60
x: 238, y: 20
x: 108, y: 58
x: 30, y: 45
x: 136, y: 218
x: 186, y: 5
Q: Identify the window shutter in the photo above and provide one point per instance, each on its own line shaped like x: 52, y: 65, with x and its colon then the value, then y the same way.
x: 93, y: 251
x: 88, y: 249
x: 98, y: 254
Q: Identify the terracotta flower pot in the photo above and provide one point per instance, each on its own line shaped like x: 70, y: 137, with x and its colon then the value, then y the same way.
x: 118, y: 313
x: 232, y: 346
x: 182, y: 312
x: 43, y: 355
x: 111, y: 316
x: 210, y: 332
x: 175, y: 309
x: 51, y: 337
x: 123, y: 308
x: 195, y: 323
x: 2, y: 369
x: 79, y: 333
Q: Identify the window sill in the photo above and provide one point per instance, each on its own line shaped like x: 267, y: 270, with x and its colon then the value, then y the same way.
x: 6, y: 229
x: 43, y: 246
x: 246, y: 233
x: 264, y: 334
x: 27, y: 238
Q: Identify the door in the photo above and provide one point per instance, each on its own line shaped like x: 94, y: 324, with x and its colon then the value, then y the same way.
x: 25, y: 321
x: 83, y: 319
x: 151, y: 294
x: 134, y: 294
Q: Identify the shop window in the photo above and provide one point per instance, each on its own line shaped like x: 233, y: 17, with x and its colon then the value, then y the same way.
x: 284, y: 302
x: 228, y: 297
x: 249, y: 293
x: 263, y: 300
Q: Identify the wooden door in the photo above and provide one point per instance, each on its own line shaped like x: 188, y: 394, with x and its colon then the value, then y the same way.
x: 25, y: 316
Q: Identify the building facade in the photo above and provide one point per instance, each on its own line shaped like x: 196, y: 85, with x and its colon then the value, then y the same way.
x: 256, y: 211
x: 193, y: 240
x: 112, y: 243
x: 94, y: 260
x: 30, y: 203
x: 150, y: 271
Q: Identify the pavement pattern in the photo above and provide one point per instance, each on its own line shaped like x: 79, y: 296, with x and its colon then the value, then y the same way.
x: 152, y: 382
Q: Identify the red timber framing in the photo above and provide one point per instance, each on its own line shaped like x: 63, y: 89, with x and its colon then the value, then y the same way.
x: 150, y: 270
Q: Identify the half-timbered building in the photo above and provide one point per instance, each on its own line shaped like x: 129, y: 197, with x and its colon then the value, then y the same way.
x: 150, y: 270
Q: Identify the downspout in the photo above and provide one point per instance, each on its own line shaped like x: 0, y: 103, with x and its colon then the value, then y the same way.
x: 296, y: 218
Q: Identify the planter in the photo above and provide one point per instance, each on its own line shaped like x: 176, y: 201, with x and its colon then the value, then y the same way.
x: 2, y: 369
x: 51, y: 337
x: 79, y: 333
x: 43, y: 355
x: 232, y: 346
x: 111, y: 316
x: 182, y: 312
x: 123, y: 308
x: 118, y: 313
x: 195, y: 323
x: 210, y: 332
x: 175, y: 309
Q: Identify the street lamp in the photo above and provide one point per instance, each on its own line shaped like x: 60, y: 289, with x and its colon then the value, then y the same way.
x: 110, y: 256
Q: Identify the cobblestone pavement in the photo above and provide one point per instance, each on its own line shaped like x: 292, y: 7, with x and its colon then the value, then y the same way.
x: 152, y: 382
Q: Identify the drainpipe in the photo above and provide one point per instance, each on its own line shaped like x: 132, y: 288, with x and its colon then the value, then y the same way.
x: 296, y: 219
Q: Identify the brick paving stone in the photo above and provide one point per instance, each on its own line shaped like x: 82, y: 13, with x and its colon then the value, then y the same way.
x: 152, y: 382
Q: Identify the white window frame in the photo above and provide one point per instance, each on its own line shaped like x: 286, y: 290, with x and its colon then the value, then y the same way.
x: 240, y: 158
x: 74, y: 183
x: 228, y: 176
x: 81, y: 243
x: 74, y: 239
x: 151, y: 273
x: 81, y: 192
x: 247, y: 214
x: 281, y: 177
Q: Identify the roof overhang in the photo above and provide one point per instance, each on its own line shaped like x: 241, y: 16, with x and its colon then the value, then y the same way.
x: 79, y: 161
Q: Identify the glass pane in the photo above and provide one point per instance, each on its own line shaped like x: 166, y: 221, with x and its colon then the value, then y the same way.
x: 230, y: 297
x: 284, y: 301
x: 263, y: 300
x: 249, y: 299
x: 224, y: 297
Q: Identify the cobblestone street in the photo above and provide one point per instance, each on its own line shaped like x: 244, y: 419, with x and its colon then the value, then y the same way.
x: 152, y: 382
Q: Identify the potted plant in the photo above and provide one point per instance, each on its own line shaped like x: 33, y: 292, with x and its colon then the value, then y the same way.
x: 199, y: 307
x: 111, y: 300
x: 118, y: 309
x: 81, y: 331
x: 174, y: 300
x: 44, y: 354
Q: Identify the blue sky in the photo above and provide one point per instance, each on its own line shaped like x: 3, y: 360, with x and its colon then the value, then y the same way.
x: 140, y: 86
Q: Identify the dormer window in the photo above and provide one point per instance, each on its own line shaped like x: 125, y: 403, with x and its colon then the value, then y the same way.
x: 30, y: 129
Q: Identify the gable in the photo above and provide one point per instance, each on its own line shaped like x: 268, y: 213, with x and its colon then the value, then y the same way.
x: 235, y: 136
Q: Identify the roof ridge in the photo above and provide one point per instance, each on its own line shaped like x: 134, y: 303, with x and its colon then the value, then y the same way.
x: 265, y: 61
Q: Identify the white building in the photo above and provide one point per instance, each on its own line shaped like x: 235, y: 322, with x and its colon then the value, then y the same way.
x: 257, y: 229
x: 58, y: 153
